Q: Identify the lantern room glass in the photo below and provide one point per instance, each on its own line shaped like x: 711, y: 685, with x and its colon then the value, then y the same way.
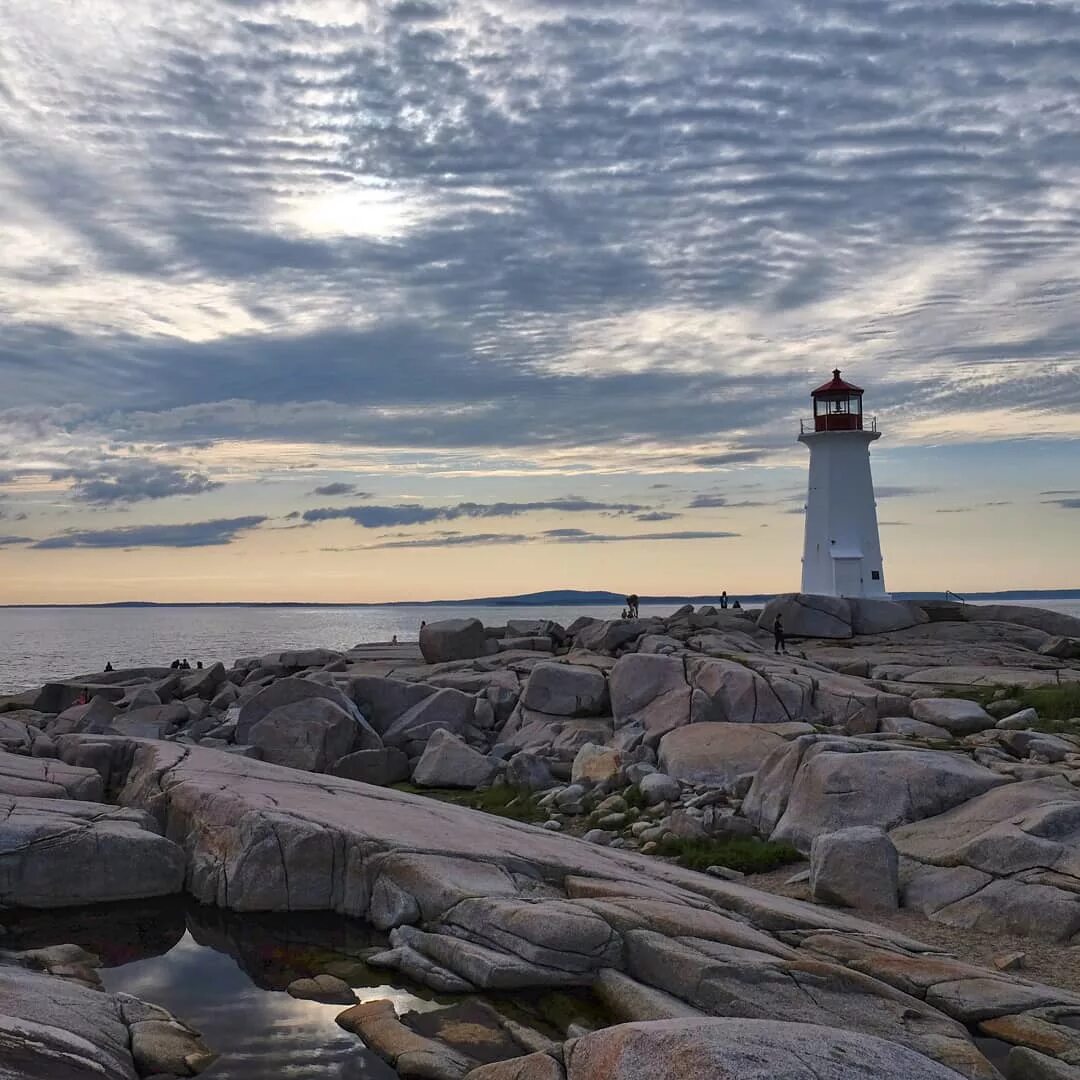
x: 840, y: 411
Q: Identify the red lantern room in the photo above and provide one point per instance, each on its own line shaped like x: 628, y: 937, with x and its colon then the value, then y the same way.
x: 838, y: 405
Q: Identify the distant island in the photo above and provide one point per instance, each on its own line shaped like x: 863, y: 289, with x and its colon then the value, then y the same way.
x: 560, y: 598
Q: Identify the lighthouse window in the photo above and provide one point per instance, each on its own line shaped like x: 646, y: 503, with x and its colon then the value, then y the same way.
x: 875, y: 574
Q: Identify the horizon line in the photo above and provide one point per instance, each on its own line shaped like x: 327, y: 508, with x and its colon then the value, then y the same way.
x: 571, y: 598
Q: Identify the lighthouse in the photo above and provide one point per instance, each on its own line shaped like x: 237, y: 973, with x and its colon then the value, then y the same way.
x: 842, y: 550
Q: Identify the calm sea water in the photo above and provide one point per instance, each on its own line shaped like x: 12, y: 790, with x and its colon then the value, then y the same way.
x: 37, y: 644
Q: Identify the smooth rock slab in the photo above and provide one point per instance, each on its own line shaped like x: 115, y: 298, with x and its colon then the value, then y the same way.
x: 58, y: 853
x: 45, y: 778
x: 55, y: 1029
x: 738, y: 1049
x: 288, y: 692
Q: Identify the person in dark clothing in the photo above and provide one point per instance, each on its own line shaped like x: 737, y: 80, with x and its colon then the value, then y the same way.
x: 175, y: 665
x: 736, y: 606
x: 779, y: 645
x: 108, y: 665
x: 723, y: 600
x: 198, y: 665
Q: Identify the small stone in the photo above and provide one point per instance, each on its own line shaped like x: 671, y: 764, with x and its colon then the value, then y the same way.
x: 799, y: 878
x: 326, y: 988
x: 649, y: 848
x: 724, y: 872
x: 552, y: 825
x: 1018, y: 721
x: 612, y: 821
x: 1010, y: 961
x: 613, y: 804
x: 659, y: 787
x: 599, y: 836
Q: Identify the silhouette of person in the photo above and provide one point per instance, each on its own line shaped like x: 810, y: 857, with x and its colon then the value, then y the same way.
x: 779, y: 645
x: 723, y: 600
x: 108, y: 665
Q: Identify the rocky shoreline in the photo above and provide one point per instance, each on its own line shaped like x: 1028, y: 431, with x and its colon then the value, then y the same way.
x: 920, y: 756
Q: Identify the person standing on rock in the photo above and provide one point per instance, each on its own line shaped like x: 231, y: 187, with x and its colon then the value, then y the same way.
x: 779, y: 645
x: 723, y: 600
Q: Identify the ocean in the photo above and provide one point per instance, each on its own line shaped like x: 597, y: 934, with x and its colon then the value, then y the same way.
x: 38, y: 644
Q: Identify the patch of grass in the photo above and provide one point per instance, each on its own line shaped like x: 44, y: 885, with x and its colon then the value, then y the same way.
x: 1058, y: 707
x: 634, y: 799
x: 500, y: 800
x: 746, y: 854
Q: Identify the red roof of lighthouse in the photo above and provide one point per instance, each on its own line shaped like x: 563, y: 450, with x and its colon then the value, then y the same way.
x: 836, y: 384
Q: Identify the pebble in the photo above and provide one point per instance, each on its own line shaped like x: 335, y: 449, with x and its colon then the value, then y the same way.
x: 552, y: 825
x: 599, y: 836
x: 612, y: 821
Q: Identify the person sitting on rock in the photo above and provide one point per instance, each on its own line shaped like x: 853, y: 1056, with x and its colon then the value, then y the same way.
x: 108, y: 665
x: 175, y: 665
x: 736, y: 606
x: 779, y: 645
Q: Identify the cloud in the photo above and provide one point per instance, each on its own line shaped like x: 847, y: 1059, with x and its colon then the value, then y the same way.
x: 657, y: 515
x: 10, y: 541
x: 1064, y: 504
x: 136, y: 481
x: 195, y: 534
x: 380, y: 517
x: 901, y: 491
x: 707, y: 501
x: 341, y: 488
x: 458, y: 540
x: 581, y: 537
x: 1066, y: 491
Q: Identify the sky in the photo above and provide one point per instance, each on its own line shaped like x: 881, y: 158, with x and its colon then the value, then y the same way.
x: 337, y: 300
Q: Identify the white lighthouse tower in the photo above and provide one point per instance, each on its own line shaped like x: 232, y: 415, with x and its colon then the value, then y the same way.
x: 842, y: 550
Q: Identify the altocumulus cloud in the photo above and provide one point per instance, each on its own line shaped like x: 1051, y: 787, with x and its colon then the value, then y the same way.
x: 544, y: 205
x: 191, y: 535
x: 341, y: 488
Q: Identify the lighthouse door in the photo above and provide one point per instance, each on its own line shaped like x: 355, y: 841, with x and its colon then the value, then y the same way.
x: 847, y: 577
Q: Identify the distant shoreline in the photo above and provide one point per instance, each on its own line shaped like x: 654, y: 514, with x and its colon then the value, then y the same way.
x: 553, y: 598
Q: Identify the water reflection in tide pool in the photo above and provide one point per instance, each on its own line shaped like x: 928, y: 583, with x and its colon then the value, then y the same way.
x: 226, y: 975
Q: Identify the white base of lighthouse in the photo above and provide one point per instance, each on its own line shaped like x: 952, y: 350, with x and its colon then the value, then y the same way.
x: 842, y: 549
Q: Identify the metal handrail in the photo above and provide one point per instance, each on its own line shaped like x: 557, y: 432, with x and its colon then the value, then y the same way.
x: 808, y: 425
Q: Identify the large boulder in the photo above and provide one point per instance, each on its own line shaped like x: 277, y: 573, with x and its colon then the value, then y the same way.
x: 311, y: 735
x: 93, y: 717
x: 820, y: 784
x: 651, y: 691
x: 956, y: 715
x: 288, y: 692
x: 856, y: 867
x: 448, y: 709
x: 809, y: 616
x: 735, y: 692
x: 566, y: 690
x: 453, y: 639
x: 382, y: 700
x: 717, y: 754
x: 733, y: 1048
x: 448, y: 761
x: 384, y: 766
x: 609, y: 637
x: 871, y: 615
x: 59, y: 853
